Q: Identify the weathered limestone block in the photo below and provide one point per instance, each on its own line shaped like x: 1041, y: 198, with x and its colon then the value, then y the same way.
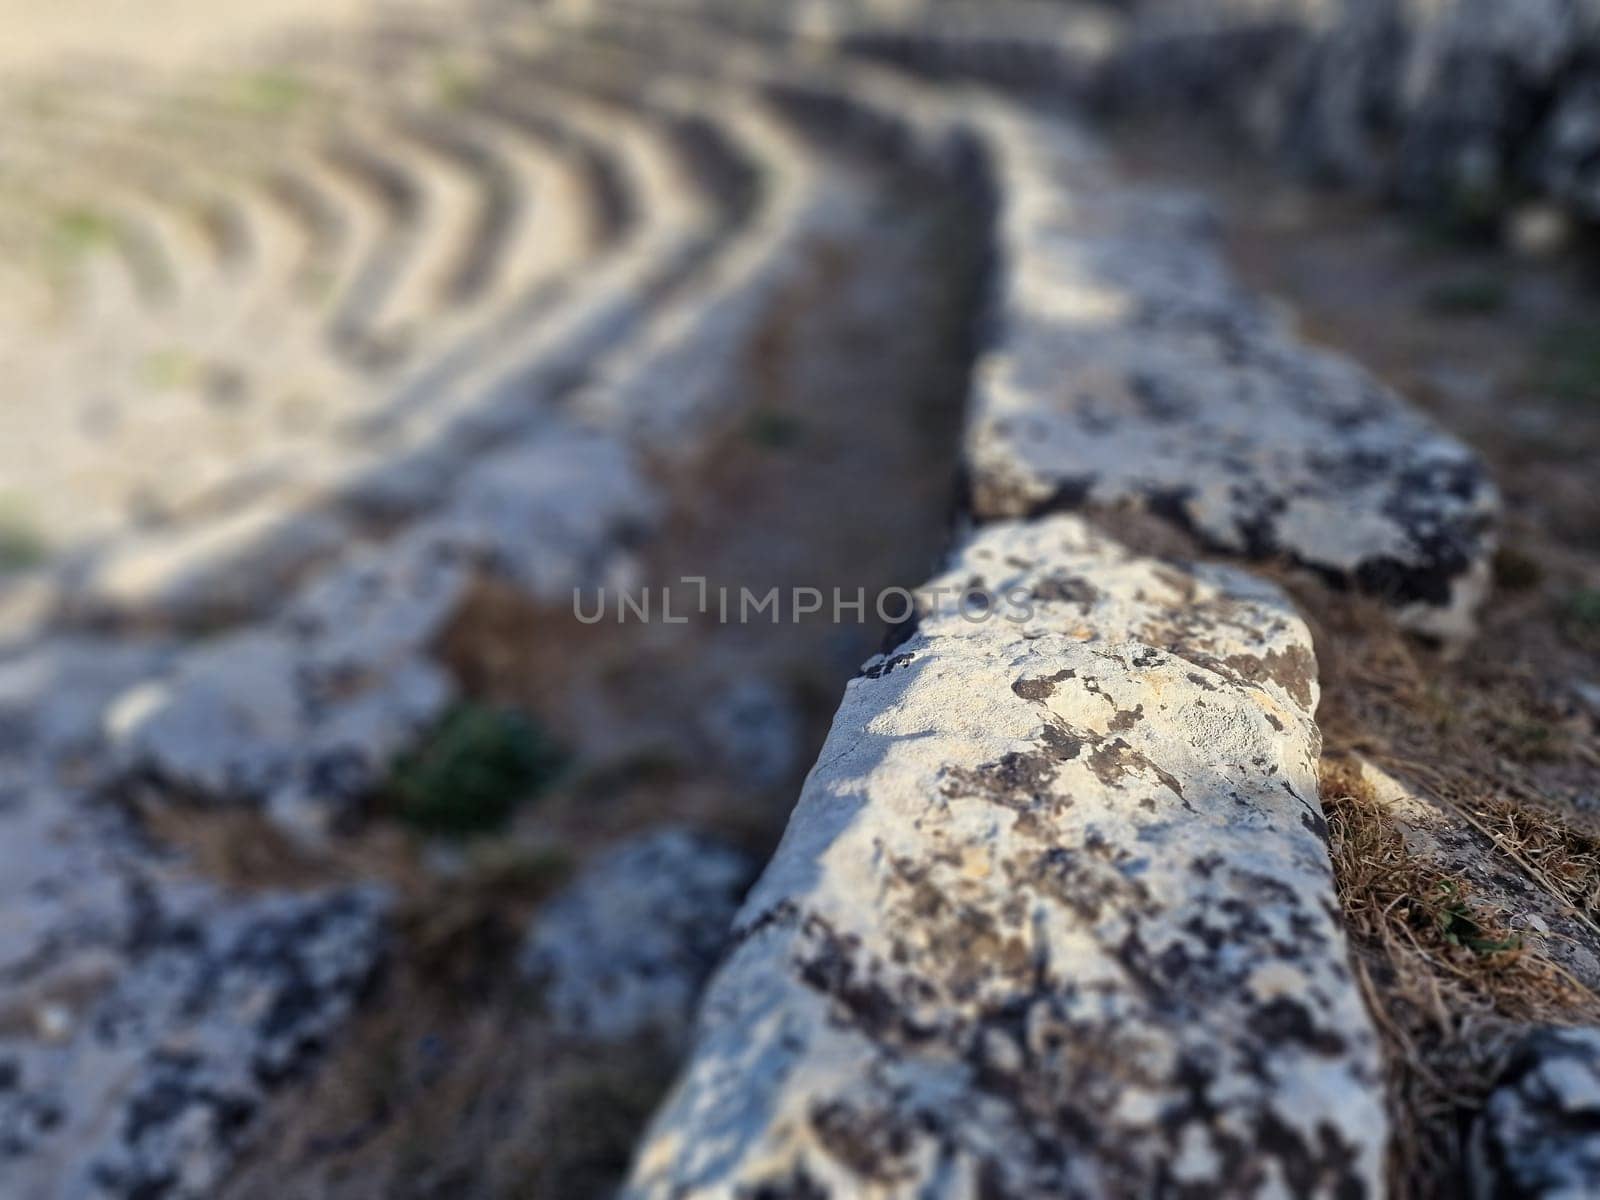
x: 53, y: 694
x: 1128, y: 369
x: 1053, y: 916
x: 625, y: 949
x: 305, y: 714
x: 1539, y: 1133
x: 380, y: 603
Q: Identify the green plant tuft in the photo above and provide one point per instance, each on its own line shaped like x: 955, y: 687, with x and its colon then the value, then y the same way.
x: 21, y: 546
x: 1468, y: 296
x: 474, y: 770
x: 270, y: 93
x: 1568, y: 366
x: 772, y: 429
x: 1580, y: 617
x: 170, y: 369
x: 455, y: 84
x: 1460, y: 927
x: 79, y: 230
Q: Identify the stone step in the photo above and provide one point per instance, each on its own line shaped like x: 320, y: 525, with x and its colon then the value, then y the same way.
x: 1126, y: 370
x: 549, y: 515
x: 624, y: 949
x: 584, y: 325
x: 1053, y: 915
x: 1180, y: 409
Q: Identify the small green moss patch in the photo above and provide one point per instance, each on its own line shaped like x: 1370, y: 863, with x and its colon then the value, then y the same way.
x: 1568, y: 364
x: 474, y: 770
x: 21, y: 545
x: 1468, y: 296
x: 773, y: 430
x: 269, y: 93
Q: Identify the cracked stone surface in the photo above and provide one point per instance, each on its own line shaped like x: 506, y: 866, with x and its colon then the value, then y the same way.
x: 1128, y: 370
x: 1053, y: 915
x: 625, y: 949
x: 1539, y: 1133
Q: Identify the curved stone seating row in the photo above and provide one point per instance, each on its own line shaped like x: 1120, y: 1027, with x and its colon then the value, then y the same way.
x: 1127, y: 370
x: 1466, y: 105
x: 181, y: 573
x: 264, y: 373
x: 303, y: 713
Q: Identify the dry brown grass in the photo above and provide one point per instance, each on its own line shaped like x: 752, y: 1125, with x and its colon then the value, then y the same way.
x: 1448, y: 999
x: 1449, y: 983
x: 1450, y: 987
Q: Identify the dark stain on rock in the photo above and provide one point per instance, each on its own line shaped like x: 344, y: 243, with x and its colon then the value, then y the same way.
x: 1294, y: 670
x: 1126, y: 719
x: 797, y: 1185
x: 881, y: 668
x: 1285, y: 1020
x: 1113, y: 760
x: 1042, y: 687
x: 1065, y: 588
x: 871, y: 1145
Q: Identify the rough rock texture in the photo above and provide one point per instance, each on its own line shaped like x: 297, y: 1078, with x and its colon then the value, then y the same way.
x: 207, y: 575
x: 149, y: 1088
x: 625, y: 949
x: 1128, y: 369
x: 558, y: 512
x: 756, y: 728
x: 1539, y: 1133
x: 144, y: 1014
x: 1053, y: 916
